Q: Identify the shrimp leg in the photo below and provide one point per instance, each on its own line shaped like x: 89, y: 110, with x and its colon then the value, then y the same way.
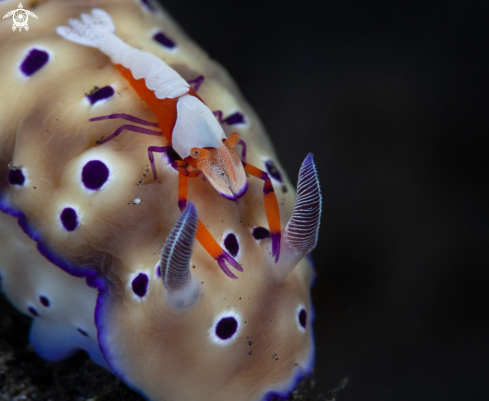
x: 197, y: 81
x: 204, y: 236
x: 127, y: 117
x: 271, y: 207
x: 128, y: 127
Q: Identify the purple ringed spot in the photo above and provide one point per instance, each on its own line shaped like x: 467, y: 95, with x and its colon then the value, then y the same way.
x: 83, y: 332
x: 140, y: 285
x: 164, y: 40
x: 236, y: 118
x: 260, y: 233
x: 102, y: 94
x: 16, y: 177
x: 33, y: 311
x: 148, y: 5
x: 34, y: 61
x: 302, y: 318
x: 231, y: 244
x: 94, y: 174
x: 44, y: 301
x: 69, y: 219
x: 226, y: 327
x: 273, y: 171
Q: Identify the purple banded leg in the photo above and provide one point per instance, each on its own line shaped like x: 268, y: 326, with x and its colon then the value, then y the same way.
x: 218, y: 114
x: 197, y: 81
x: 221, y: 261
x: 126, y: 117
x: 132, y: 128
x: 156, y: 149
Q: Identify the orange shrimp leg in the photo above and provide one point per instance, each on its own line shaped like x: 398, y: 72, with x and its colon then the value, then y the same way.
x: 133, y: 128
x: 271, y: 207
x: 204, y: 236
x: 243, y: 149
x: 239, y: 142
x: 178, y: 165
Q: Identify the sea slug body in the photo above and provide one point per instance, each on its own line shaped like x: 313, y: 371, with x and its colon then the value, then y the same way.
x: 110, y: 244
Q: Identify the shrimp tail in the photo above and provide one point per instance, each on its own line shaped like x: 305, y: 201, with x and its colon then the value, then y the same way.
x: 97, y: 30
x: 92, y: 30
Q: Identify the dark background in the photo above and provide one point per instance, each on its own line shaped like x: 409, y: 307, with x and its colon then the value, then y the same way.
x: 392, y: 100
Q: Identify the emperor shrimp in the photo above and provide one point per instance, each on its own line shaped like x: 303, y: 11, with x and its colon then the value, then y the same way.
x: 188, y: 125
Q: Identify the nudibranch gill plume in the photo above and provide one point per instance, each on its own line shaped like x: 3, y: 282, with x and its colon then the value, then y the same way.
x: 140, y: 222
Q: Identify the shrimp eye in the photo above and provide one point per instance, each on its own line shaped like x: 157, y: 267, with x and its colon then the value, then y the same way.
x: 198, y: 153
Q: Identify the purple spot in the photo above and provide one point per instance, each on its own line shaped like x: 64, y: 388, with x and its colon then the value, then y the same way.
x: 272, y: 170
x: 158, y: 271
x: 303, y: 318
x: 16, y: 177
x: 235, y: 118
x: 44, y: 301
x: 34, y: 61
x: 260, y: 233
x: 82, y: 332
x: 231, y: 244
x: 33, y: 311
x: 140, y: 285
x: 226, y: 327
x: 69, y: 218
x: 94, y: 174
x: 101, y: 94
x: 148, y: 5
x: 161, y: 38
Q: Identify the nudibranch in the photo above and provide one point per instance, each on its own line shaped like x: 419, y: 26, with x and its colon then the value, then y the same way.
x: 105, y: 242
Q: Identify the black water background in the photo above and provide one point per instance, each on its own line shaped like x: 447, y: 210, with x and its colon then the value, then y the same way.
x: 391, y: 97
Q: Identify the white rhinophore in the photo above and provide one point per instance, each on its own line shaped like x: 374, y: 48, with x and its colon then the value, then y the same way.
x: 181, y: 287
x: 299, y: 236
x: 196, y: 127
x: 97, y: 30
